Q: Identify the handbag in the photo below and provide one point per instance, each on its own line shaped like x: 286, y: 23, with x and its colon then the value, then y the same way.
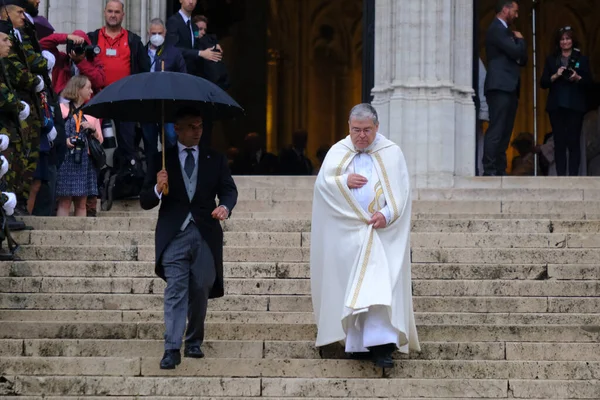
x: 97, y: 153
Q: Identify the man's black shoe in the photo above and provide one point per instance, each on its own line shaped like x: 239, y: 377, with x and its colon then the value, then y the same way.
x: 6, y: 256
x: 193, y: 352
x: 14, y: 225
x: 360, y: 356
x: 170, y: 360
x: 382, y: 355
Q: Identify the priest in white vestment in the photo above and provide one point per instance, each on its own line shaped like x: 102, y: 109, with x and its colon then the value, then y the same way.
x: 360, y: 245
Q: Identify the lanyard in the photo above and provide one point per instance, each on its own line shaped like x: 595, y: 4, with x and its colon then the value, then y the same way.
x: 78, y: 120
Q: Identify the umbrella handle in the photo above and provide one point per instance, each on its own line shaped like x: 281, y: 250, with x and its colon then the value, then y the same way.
x: 164, y: 146
x: 165, y: 191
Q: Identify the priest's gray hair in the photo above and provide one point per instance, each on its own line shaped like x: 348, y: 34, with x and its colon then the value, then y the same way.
x: 362, y: 112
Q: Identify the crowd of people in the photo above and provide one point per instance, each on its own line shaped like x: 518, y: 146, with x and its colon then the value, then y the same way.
x: 567, y: 76
x: 49, y: 166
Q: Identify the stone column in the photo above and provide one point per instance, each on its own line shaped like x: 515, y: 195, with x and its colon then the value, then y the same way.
x: 423, y: 91
x: 87, y: 15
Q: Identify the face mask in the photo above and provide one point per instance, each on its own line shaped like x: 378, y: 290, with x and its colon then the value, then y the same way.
x: 157, y: 40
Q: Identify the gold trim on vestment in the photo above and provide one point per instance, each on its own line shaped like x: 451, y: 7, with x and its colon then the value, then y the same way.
x: 363, y: 270
x: 374, y: 206
x: 338, y: 180
x: 386, y: 180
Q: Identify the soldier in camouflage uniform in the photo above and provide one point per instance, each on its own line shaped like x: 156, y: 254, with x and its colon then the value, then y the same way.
x: 12, y: 110
x: 24, y: 148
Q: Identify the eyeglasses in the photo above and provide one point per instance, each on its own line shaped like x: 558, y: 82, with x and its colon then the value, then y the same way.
x: 357, y: 131
x: 565, y: 29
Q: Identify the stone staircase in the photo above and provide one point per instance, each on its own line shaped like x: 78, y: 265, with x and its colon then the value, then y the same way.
x: 506, y: 281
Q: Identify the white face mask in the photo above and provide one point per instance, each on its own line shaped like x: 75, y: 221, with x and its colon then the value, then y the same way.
x: 157, y: 40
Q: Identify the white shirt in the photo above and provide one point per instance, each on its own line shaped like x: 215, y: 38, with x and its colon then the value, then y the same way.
x: 186, y: 19
x: 182, y: 156
x: 30, y: 18
x: 503, y: 22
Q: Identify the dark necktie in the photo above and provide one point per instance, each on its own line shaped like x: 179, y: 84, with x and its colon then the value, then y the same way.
x: 189, y: 25
x: 190, y: 163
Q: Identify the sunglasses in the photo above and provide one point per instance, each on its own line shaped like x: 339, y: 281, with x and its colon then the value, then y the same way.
x: 565, y: 29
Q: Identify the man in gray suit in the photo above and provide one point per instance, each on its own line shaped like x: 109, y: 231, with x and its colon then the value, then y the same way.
x: 189, y: 238
x: 506, y: 53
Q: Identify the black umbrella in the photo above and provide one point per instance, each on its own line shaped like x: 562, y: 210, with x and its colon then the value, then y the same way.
x: 157, y: 96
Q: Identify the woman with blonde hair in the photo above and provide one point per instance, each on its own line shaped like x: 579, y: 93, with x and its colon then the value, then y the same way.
x: 77, y: 177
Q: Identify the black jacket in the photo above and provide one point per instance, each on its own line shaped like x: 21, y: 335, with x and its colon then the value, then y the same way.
x: 214, y: 179
x: 172, y: 57
x: 505, y: 55
x: 140, y: 62
x: 564, y: 93
x: 178, y: 35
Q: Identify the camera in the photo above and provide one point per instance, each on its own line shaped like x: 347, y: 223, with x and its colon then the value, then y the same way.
x: 571, y: 65
x: 79, y: 49
x: 79, y: 147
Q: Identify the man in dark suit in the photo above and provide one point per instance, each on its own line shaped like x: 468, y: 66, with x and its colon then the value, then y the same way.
x: 183, y: 34
x: 506, y: 54
x: 189, y: 238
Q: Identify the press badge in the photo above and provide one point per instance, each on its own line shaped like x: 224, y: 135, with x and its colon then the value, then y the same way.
x: 111, y: 52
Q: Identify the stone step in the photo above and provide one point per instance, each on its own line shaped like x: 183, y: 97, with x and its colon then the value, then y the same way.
x: 139, y: 269
x: 505, y: 256
x: 465, y: 215
x: 302, y: 387
x: 314, y: 369
x: 508, y: 226
x: 146, y: 253
x: 298, y: 239
x: 292, y: 254
x: 501, y: 288
x: 293, y: 332
x: 274, y: 317
x: 146, y: 238
x: 289, y: 350
x: 55, y: 301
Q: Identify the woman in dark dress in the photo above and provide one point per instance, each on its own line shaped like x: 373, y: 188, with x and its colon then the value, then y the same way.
x: 566, y: 74
x: 77, y: 179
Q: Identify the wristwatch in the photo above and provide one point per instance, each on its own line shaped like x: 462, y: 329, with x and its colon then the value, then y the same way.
x: 226, y: 209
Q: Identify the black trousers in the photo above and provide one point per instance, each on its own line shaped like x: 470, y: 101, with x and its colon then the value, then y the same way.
x: 503, y: 109
x: 566, y: 130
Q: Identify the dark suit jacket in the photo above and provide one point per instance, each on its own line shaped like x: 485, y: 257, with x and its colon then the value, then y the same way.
x: 505, y: 55
x: 564, y: 93
x: 214, y: 179
x: 178, y: 35
x: 172, y: 57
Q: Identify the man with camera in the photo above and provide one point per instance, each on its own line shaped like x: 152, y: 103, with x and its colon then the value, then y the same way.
x: 122, y: 53
x: 506, y: 52
x: 79, y: 59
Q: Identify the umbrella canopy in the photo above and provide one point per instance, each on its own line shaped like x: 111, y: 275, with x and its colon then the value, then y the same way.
x: 144, y: 97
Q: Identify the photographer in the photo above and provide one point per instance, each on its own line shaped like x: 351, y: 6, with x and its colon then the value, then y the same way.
x: 80, y: 59
x: 77, y: 176
x: 566, y: 74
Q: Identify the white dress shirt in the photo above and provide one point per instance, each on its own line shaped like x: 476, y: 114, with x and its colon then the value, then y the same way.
x: 503, y: 22
x: 186, y: 19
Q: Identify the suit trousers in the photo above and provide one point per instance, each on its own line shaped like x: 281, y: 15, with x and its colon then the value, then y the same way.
x: 190, y: 273
x: 566, y: 130
x: 503, y: 110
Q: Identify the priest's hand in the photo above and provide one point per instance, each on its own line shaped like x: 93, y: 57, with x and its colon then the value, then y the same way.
x: 356, y: 181
x: 378, y: 221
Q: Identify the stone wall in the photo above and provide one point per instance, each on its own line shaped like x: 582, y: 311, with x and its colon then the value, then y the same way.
x: 87, y: 15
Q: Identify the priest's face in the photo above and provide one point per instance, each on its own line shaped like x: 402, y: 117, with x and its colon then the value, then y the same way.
x: 362, y: 132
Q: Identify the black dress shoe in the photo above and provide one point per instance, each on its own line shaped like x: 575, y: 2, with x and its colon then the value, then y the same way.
x: 170, y: 360
x: 193, y: 352
x: 360, y: 356
x: 382, y: 355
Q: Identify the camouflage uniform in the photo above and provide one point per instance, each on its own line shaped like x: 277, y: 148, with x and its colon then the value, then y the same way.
x: 23, y: 152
